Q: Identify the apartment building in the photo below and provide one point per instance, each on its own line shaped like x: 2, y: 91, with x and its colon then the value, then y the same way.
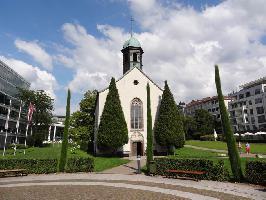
x: 247, y: 110
x: 210, y: 104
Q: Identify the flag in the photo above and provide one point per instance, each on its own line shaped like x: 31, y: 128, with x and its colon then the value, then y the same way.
x: 30, y: 112
x: 8, y: 114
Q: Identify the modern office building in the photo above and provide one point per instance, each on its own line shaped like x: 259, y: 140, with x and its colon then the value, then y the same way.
x: 210, y: 104
x: 247, y: 111
x: 9, y: 83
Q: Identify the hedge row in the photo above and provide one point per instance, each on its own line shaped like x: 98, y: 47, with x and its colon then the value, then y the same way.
x: 45, y: 166
x: 256, y: 172
x: 215, y: 172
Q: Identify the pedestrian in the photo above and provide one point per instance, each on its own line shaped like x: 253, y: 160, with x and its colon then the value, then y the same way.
x: 247, y: 148
x: 239, y: 147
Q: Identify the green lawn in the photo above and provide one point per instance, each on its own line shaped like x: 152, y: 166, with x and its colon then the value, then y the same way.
x: 255, y: 147
x: 187, y: 152
x: 101, y: 163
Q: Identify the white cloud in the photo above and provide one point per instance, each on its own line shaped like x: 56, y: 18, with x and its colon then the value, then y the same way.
x: 181, y: 44
x: 38, y: 78
x: 36, y: 51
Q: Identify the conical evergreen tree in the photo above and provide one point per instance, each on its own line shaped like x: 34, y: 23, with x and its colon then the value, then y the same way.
x: 168, y: 130
x: 149, y: 130
x: 112, y: 133
x: 230, y: 139
x: 63, y: 157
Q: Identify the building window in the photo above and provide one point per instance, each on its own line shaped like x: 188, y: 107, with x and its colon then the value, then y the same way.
x: 261, y: 119
x: 136, y: 114
x: 136, y: 82
x: 250, y: 102
x: 257, y: 91
x: 241, y: 96
x: 258, y: 100
x: 135, y: 57
x: 247, y: 94
x: 251, y: 111
x: 260, y: 110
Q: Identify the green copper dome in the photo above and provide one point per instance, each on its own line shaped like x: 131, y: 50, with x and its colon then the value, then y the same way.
x: 131, y: 42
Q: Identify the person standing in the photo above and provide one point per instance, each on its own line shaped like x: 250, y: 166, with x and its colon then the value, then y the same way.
x: 247, y: 148
x: 239, y: 147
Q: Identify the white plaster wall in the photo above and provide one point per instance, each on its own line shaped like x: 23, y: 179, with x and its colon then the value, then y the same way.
x: 127, y: 92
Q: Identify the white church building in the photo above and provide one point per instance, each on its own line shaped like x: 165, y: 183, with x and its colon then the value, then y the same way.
x: 133, y: 96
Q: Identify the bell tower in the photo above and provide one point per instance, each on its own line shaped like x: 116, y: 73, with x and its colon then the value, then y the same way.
x: 132, y: 54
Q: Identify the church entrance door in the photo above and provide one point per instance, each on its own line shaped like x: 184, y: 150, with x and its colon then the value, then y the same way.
x: 137, y: 148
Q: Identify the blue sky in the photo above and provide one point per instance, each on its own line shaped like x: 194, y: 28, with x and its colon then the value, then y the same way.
x: 76, y: 44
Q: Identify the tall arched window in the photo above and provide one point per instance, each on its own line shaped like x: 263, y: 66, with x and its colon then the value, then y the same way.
x: 136, y: 114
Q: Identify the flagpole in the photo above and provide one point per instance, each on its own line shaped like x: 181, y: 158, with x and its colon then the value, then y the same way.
x: 27, y: 127
x: 6, y: 125
x: 17, y: 126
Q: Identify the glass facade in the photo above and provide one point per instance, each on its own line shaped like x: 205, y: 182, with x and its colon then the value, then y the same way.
x: 9, y: 82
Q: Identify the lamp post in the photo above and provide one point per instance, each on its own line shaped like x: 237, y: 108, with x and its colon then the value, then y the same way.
x: 138, y: 163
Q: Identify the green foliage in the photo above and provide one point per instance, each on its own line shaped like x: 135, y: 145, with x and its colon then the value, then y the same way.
x: 43, y: 107
x: 36, y: 166
x: 215, y: 172
x: 112, y: 132
x: 190, y: 126
x: 204, y: 122
x: 82, y: 121
x: 63, y: 157
x: 207, y: 137
x: 230, y: 139
x: 79, y: 164
x: 168, y: 130
x: 149, y: 150
x: 256, y: 172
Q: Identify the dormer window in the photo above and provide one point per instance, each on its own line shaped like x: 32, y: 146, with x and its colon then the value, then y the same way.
x: 135, y: 57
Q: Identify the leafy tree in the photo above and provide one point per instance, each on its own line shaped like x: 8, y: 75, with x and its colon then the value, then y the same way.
x: 82, y: 121
x: 168, y: 129
x: 63, y: 156
x: 112, y: 132
x: 190, y: 126
x: 204, y: 122
x: 149, y: 130
x: 42, y: 116
x: 230, y: 139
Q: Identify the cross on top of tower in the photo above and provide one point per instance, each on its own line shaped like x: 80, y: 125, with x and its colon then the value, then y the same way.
x: 131, y: 26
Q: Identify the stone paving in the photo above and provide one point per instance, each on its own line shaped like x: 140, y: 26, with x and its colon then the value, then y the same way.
x: 119, y: 186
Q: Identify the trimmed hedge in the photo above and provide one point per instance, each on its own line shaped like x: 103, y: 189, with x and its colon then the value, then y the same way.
x: 215, y: 172
x: 80, y: 164
x: 45, y: 166
x: 256, y: 172
x: 33, y: 166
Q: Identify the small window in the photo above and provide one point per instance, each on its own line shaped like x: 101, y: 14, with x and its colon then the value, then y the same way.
x: 247, y: 94
x: 135, y: 57
x: 136, y: 82
x: 257, y: 91
x: 241, y: 96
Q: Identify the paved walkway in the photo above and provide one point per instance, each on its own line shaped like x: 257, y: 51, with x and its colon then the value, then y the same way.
x: 129, y: 168
x: 118, y: 186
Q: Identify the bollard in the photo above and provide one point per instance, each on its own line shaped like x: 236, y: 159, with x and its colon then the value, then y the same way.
x: 138, y: 162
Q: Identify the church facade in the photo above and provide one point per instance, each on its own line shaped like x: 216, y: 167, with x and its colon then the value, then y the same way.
x: 133, y: 96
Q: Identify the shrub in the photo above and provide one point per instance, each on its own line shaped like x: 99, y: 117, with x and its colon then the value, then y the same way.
x: 78, y: 164
x: 149, y: 131
x: 215, y: 172
x: 35, y: 166
x: 63, y: 156
x: 256, y: 172
x: 207, y: 137
x: 227, y: 129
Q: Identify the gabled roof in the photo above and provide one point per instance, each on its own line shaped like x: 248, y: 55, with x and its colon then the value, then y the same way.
x: 128, y: 73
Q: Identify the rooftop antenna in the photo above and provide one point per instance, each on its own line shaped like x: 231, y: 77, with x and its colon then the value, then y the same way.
x: 131, y: 26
